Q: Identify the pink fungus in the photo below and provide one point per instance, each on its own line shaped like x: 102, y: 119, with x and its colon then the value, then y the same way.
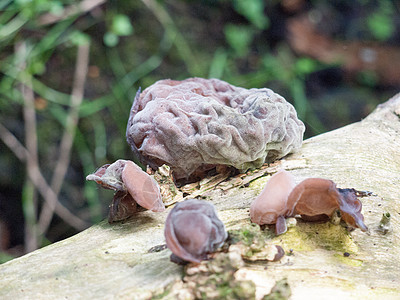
x: 270, y: 206
x: 197, y: 124
x: 312, y: 199
x: 143, y: 188
x: 193, y: 230
x: 132, y: 185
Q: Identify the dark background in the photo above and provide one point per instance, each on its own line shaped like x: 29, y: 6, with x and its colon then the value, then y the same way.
x: 333, y: 60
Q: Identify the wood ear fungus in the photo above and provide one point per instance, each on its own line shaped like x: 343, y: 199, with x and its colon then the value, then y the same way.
x: 193, y: 230
x: 270, y: 206
x: 132, y: 185
x: 143, y: 188
x: 350, y: 207
x: 122, y: 207
x: 313, y: 198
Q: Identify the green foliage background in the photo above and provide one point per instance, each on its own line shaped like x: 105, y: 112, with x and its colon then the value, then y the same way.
x: 132, y: 45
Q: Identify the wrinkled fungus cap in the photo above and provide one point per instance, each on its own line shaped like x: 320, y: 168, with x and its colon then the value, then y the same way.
x: 193, y: 230
x: 196, y: 124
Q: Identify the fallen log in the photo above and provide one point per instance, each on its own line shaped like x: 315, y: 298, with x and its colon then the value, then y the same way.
x: 128, y: 260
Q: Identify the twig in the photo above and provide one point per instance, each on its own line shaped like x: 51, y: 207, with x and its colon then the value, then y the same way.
x: 31, y: 235
x: 13, y: 144
x: 63, y: 161
x: 81, y: 7
x: 39, y: 181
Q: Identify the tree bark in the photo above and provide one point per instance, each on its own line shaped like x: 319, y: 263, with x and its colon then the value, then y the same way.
x: 114, y: 261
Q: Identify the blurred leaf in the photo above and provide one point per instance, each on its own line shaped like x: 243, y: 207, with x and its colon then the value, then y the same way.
x: 381, y: 26
x: 369, y: 78
x: 59, y: 114
x: 305, y: 65
x: 273, y: 68
x: 56, y: 8
x: 12, y: 27
x: 239, y: 38
x: 110, y: 39
x: 100, y: 135
x: 50, y: 94
x: 79, y: 38
x: 8, y: 92
x: 121, y: 25
x: 116, y: 63
x: 91, y: 107
x: 299, y: 97
x: 4, y: 3
x: 253, y: 10
x: 22, y: 2
x: 218, y: 64
x: 54, y: 37
x: 30, y: 9
x: 36, y: 68
x: 6, y: 16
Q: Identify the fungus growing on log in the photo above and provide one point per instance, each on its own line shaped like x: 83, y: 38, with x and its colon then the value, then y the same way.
x: 132, y: 185
x: 196, y: 124
x: 193, y: 230
x: 270, y: 206
x: 312, y: 199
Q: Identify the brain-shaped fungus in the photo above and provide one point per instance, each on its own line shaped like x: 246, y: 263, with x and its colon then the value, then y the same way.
x: 195, y: 124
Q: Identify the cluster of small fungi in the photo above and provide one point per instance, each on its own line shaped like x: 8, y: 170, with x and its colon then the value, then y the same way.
x: 313, y: 199
x: 195, y: 125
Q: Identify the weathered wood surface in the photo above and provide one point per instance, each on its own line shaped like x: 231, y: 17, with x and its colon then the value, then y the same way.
x: 113, y: 262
